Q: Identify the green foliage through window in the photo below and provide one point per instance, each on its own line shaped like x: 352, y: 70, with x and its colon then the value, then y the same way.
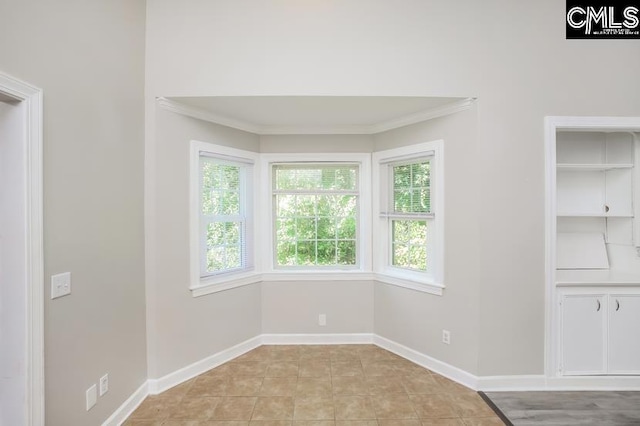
x: 221, y: 215
x: 316, y: 210
x: 411, y: 194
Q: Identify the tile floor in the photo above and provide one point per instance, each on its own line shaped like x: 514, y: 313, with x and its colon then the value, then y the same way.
x: 316, y: 385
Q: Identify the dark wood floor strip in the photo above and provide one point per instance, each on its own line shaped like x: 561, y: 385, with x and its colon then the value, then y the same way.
x: 495, y: 408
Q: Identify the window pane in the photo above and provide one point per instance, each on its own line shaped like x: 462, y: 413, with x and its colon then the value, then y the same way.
x: 409, y: 244
x: 315, y: 216
x: 305, y: 205
x: 220, y: 197
x: 215, y: 234
x: 346, y: 228
x: 233, y: 257
x: 306, y: 253
x: 346, y: 252
x: 215, y: 259
x: 285, y: 205
x: 286, y: 252
x: 412, y: 188
x: 326, y: 252
x: 326, y: 228
x: 316, y: 177
x: 232, y: 233
x: 286, y: 229
x: 305, y: 229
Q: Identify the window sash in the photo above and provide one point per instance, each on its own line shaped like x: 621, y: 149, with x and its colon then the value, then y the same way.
x: 410, y: 189
x: 427, y: 244
x: 336, y: 245
x: 241, y: 217
x: 392, y: 215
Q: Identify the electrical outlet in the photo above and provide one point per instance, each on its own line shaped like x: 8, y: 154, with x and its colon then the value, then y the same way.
x: 446, y: 337
x: 60, y: 285
x: 104, y: 384
x: 91, y: 396
x: 322, y: 320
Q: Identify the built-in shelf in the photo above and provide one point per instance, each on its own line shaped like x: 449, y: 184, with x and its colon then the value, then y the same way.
x: 572, y: 167
x: 596, y: 277
x: 583, y: 214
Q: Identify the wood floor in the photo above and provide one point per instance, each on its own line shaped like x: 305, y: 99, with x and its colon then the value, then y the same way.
x: 317, y: 385
x: 569, y: 408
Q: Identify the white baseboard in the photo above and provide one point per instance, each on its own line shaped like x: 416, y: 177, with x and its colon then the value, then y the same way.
x: 542, y: 383
x: 120, y: 415
x: 511, y: 383
x: 317, y: 339
x: 442, y: 368
x: 483, y: 383
x: 157, y: 386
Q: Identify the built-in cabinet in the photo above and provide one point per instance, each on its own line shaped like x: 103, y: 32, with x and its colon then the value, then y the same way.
x: 597, y: 267
x: 599, y: 331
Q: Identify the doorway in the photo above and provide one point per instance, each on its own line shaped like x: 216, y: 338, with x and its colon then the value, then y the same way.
x: 21, y: 258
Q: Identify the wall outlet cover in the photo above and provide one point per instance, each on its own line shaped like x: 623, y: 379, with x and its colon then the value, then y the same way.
x: 60, y: 285
x: 92, y: 396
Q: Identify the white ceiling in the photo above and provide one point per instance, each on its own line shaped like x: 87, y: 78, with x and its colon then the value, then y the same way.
x: 317, y: 114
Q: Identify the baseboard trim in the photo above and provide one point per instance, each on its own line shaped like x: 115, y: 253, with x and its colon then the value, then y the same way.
x: 449, y: 371
x: 542, y: 383
x: 120, y: 415
x: 157, y: 386
x: 317, y: 339
x: 482, y: 383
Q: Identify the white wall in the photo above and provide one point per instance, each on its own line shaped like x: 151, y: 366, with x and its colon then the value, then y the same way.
x: 293, y: 307
x: 316, y: 143
x: 182, y: 329
x: 515, y: 59
x: 13, y: 295
x: 415, y: 319
x: 88, y: 57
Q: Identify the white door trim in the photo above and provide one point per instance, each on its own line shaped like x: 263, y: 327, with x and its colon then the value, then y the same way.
x: 31, y: 96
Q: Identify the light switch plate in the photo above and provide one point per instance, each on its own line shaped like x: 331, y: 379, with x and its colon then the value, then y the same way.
x: 104, y: 384
x: 60, y: 285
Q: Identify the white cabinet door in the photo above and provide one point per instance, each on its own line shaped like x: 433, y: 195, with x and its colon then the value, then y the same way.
x: 624, y: 334
x: 583, y: 334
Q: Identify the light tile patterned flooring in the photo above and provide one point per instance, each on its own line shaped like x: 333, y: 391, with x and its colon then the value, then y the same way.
x: 316, y: 385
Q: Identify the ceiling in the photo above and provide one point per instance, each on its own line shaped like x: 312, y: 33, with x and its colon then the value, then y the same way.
x: 316, y: 114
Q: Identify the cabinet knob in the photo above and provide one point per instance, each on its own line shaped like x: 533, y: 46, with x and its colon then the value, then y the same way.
x: 598, y: 302
x: 606, y: 208
x: 617, y: 305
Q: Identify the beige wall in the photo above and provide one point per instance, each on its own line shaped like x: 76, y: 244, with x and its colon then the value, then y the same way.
x: 182, y: 329
x: 518, y: 64
x: 293, y: 307
x: 316, y: 143
x: 88, y: 57
x: 417, y: 319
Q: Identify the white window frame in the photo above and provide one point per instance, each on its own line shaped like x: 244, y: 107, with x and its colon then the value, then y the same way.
x: 199, y: 284
x: 432, y: 280
x: 265, y: 226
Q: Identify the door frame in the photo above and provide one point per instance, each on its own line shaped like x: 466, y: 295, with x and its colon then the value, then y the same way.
x: 30, y: 98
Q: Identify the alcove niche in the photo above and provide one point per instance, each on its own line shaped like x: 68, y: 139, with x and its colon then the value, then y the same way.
x: 188, y: 335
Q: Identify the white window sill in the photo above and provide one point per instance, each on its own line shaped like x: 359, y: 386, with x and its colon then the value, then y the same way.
x: 424, y: 286
x: 215, y: 284
x: 211, y: 285
x: 317, y: 276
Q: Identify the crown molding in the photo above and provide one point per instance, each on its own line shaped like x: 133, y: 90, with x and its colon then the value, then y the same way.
x: 425, y: 115
x: 202, y: 114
